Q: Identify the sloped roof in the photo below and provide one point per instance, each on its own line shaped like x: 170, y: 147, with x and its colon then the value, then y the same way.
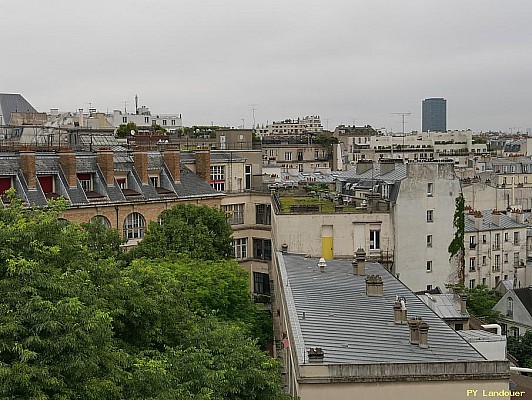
x: 525, y: 295
x: 505, y: 222
x: 444, y: 305
x: 353, y: 328
x: 397, y: 174
x: 13, y: 102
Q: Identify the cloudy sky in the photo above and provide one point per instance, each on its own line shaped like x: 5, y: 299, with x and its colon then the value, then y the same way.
x: 211, y: 60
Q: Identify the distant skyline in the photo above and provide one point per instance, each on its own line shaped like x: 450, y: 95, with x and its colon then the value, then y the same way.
x: 347, y: 61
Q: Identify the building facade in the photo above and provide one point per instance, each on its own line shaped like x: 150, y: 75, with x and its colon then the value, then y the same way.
x: 434, y: 115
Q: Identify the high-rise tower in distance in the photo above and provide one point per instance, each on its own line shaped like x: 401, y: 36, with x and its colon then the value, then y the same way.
x: 434, y: 115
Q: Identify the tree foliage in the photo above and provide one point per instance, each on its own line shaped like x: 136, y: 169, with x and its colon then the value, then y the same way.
x: 480, y: 302
x: 75, y: 323
x: 456, y: 247
x: 521, y: 348
x: 124, y: 130
x: 198, y: 232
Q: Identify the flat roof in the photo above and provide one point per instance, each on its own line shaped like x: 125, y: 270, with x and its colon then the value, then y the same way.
x: 331, y: 310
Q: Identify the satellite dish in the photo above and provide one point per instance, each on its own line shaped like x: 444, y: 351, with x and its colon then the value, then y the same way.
x: 132, y: 132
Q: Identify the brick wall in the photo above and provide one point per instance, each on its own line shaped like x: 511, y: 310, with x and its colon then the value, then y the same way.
x: 68, y: 163
x: 172, y: 159
x: 140, y: 158
x: 203, y: 165
x: 27, y: 165
x: 104, y: 158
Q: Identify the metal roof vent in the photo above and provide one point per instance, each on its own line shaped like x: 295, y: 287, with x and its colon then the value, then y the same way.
x: 322, y: 264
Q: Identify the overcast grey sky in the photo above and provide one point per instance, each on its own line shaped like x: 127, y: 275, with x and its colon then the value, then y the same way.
x: 210, y: 60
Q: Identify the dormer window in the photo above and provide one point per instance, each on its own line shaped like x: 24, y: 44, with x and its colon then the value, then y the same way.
x: 122, y: 183
x: 154, y: 180
x: 86, y: 182
x: 47, y: 183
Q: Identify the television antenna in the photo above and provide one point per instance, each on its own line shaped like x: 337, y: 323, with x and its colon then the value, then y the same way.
x: 253, y: 108
x: 403, y: 114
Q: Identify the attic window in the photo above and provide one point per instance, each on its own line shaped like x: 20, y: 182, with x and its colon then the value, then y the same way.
x: 86, y: 181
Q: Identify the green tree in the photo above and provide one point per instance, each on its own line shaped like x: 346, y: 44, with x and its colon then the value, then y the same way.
x: 124, y: 130
x: 480, y: 302
x: 101, y: 240
x: 456, y: 247
x: 198, y: 232
x: 521, y: 348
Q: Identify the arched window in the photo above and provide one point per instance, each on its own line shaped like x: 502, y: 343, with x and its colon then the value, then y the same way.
x: 134, y: 226
x: 100, y: 219
x: 510, y: 308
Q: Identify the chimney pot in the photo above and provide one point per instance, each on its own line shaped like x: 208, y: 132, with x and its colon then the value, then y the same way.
x: 374, y: 286
x: 463, y: 303
x: 423, y: 328
x: 360, y: 258
x: 284, y: 248
x: 413, y: 325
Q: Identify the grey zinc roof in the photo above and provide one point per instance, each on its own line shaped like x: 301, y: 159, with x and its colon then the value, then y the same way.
x: 399, y: 173
x: 11, y: 102
x: 216, y: 157
x: 192, y: 185
x: 505, y: 222
x: 444, y: 305
x: 353, y: 328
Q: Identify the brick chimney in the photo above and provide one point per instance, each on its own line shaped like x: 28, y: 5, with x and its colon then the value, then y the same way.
x: 400, y: 312
x: 67, y: 160
x: 478, y: 220
x: 27, y: 166
x: 203, y: 165
x: 463, y: 303
x: 105, y: 161
x: 374, y: 286
x: 496, y: 217
x: 423, y: 328
x: 413, y: 325
x: 172, y: 159
x: 140, y: 160
x: 363, y: 166
x: 386, y: 165
x: 316, y: 355
x: 359, y: 266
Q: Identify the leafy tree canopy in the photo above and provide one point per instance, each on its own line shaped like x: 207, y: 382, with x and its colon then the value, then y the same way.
x: 480, y: 301
x: 124, y: 130
x: 521, y: 348
x: 76, y: 324
x: 198, y: 232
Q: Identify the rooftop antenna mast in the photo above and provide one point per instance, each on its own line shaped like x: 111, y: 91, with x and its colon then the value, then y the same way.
x: 253, y: 108
x: 403, y: 114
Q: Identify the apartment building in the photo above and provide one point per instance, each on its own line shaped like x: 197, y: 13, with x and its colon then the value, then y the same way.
x: 144, y: 120
x: 495, y: 245
x: 296, y: 156
x: 310, y: 124
x: 348, y: 329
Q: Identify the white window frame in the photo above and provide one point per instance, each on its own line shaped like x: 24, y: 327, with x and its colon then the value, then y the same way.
x: 134, y: 226
x: 240, y: 248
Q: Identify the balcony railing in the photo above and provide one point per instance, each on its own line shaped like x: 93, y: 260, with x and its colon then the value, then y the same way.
x: 496, y: 247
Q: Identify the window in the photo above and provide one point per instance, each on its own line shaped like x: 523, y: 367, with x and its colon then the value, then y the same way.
x: 430, y: 215
x: 218, y: 177
x: 472, y: 243
x: 497, y: 262
x: 122, y: 183
x: 505, y: 236
x: 173, y: 122
x: 299, y: 156
x: 516, y: 238
x: 484, y: 239
x: 100, y: 219
x: 510, y: 307
x: 86, y: 181
x: 506, y: 258
x: 234, y: 213
x: 515, y: 332
x: 147, y: 120
x: 484, y: 259
x: 484, y: 281
x: 429, y: 287
x: 248, y: 177
x: 261, y: 283
x: 429, y: 240
x: 263, y: 214
x: 5, y: 184
x: 164, y: 122
x: 124, y: 120
x: 497, y: 244
x: 471, y: 284
x: 472, y: 264
x: 429, y: 266
x: 134, y: 226
x: 374, y: 239
x: 288, y: 156
x: 516, y: 259
x: 300, y: 167
x: 154, y: 180
x: 262, y: 249
x: 240, y: 248
x: 458, y: 327
x: 504, y: 329
x: 430, y: 188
